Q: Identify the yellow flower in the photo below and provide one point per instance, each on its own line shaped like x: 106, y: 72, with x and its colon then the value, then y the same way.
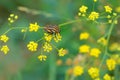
x: 57, y: 37
x: 47, y: 47
x: 32, y: 46
x: 95, y: 0
x: 84, y: 49
x: 78, y: 70
x: 61, y: 52
x: 4, y: 38
x: 93, y: 15
x: 83, y: 9
x: 42, y: 57
x: 34, y: 27
x: 107, y: 77
x: 12, y: 18
x: 84, y: 35
x: 111, y: 64
x: 102, y: 41
x: 5, y: 49
x: 95, y: 52
x: 93, y: 72
x: 48, y: 37
x: 108, y: 9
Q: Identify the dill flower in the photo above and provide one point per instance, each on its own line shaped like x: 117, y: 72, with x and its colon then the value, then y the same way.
x: 5, y: 49
x: 102, y: 41
x: 42, y: 57
x: 83, y: 9
x: 32, y: 46
x: 47, y: 47
x: 93, y: 72
x: 48, y: 37
x: 95, y: 52
x: 111, y: 64
x: 4, y: 38
x: 61, y: 52
x: 78, y: 70
x: 108, y: 9
x: 107, y: 77
x: 12, y: 18
x: 93, y: 15
x: 84, y: 35
x: 57, y: 37
x: 84, y: 49
x: 34, y: 27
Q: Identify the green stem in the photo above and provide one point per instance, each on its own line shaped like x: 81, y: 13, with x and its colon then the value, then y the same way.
x: 12, y: 29
x: 108, y: 39
x: 70, y: 22
x: 52, y: 67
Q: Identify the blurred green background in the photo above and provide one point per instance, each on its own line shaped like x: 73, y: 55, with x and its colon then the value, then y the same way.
x: 19, y: 63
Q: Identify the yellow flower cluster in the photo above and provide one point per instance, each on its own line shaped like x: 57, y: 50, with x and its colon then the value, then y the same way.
x: 95, y: 52
x: 78, y: 70
x: 4, y: 38
x: 5, y: 49
x: 32, y: 46
x: 93, y: 72
x: 107, y: 77
x: 42, y: 57
x: 57, y: 37
x: 84, y: 49
x: 34, y: 27
x: 111, y: 64
x: 93, y: 16
x: 102, y: 41
x: 82, y: 10
x: 47, y: 47
x: 84, y: 35
x: 61, y: 52
x: 12, y: 18
x: 48, y: 37
x: 108, y: 9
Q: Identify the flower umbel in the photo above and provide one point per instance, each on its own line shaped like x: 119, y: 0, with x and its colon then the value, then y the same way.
x: 34, y: 27
x: 4, y: 38
x: 84, y: 49
x: 48, y: 37
x: 5, y: 49
x: 32, y: 46
x: 95, y: 52
x: 93, y: 72
x: 83, y: 9
x: 108, y: 9
x: 61, y: 52
x: 12, y: 18
x: 111, y: 64
x: 78, y: 70
x: 47, y: 47
x: 57, y: 37
x: 84, y: 35
x: 42, y: 57
x: 107, y: 77
x: 93, y: 16
x: 102, y: 41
